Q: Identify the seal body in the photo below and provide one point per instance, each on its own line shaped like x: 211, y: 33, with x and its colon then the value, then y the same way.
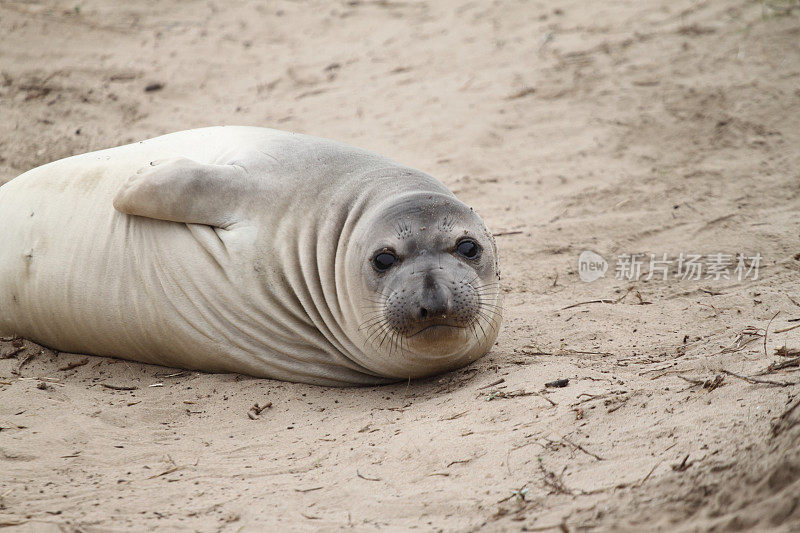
x: 250, y: 250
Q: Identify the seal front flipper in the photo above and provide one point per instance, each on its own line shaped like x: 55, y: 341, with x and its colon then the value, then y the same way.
x: 182, y: 190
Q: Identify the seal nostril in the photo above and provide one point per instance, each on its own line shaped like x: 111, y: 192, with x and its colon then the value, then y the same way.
x: 423, y: 313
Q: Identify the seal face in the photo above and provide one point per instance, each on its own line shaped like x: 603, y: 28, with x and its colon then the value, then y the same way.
x: 431, y: 284
x: 249, y: 250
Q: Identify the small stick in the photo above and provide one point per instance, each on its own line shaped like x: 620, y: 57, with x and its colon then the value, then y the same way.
x: 784, y: 330
x: 173, y: 375
x: 492, y: 384
x: 692, y: 381
x: 256, y: 410
x: 603, y: 301
x: 795, y: 361
x: 457, y: 415
x: 117, y: 387
x: 75, y: 364
x: 553, y: 481
x: 783, y: 351
x: 622, y: 402
x: 756, y: 380
x: 367, y: 478
x: 308, y: 490
x: 546, y: 398
x: 544, y: 528
x: 12, y: 353
x: 504, y: 233
x: 766, y: 331
x: 640, y: 483
x: 659, y: 369
x: 165, y: 472
x: 581, y: 448
x: 711, y: 292
x: 683, y: 464
x: 25, y: 361
x: 506, y: 395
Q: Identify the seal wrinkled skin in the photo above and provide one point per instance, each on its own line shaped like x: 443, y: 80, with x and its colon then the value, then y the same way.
x: 249, y: 250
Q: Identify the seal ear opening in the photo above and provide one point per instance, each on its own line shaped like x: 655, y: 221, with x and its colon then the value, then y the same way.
x: 182, y: 190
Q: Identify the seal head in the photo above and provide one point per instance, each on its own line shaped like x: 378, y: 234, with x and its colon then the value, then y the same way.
x: 429, y: 285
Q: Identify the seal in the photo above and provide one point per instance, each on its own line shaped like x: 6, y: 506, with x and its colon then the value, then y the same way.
x: 249, y: 250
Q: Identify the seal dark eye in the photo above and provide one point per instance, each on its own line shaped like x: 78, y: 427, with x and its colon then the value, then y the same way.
x: 468, y: 248
x: 384, y: 261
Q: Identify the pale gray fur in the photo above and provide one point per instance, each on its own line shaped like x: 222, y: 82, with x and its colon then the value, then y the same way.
x: 230, y: 249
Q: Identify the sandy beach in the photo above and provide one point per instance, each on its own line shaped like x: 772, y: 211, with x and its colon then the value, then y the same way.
x: 638, y: 131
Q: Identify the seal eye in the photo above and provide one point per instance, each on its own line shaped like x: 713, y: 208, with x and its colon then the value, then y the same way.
x: 468, y: 248
x: 384, y: 261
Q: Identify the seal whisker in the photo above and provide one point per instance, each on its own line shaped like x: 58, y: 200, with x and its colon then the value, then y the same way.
x: 478, y: 314
x: 378, y: 332
x: 494, y: 324
x: 379, y: 329
x: 372, y: 318
x: 485, y: 285
x: 373, y: 314
x: 387, y: 333
x: 474, y: 331
x: 396, y: 339
x: 483, y: 294
x: 488, y: 292
x: 491, y: 306
x: 376, y: 323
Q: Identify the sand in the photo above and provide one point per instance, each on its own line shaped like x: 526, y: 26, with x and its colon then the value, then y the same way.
x: 618, y: 127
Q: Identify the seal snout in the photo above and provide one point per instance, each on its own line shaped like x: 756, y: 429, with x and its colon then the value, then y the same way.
x: 426, y: 303
x: 435, y: 300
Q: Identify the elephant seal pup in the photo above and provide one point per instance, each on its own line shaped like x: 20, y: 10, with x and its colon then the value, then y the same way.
x: 250, y: 250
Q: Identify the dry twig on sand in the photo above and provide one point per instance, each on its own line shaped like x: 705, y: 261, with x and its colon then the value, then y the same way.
x: 359, y: 474
x: 650, y: 473
x: 555, y: 482
x: 581, y: 448
x: 118, y: 387
x: 74, y: 364
x: 766, y: 332
x: 786, y: 363
x: 12, y: 353
x: 492, y: 384
x: 709, y: 384
x: 683, y: 465
x: 758, y: 380
x: 254, y: 411
x: 603, y: 301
